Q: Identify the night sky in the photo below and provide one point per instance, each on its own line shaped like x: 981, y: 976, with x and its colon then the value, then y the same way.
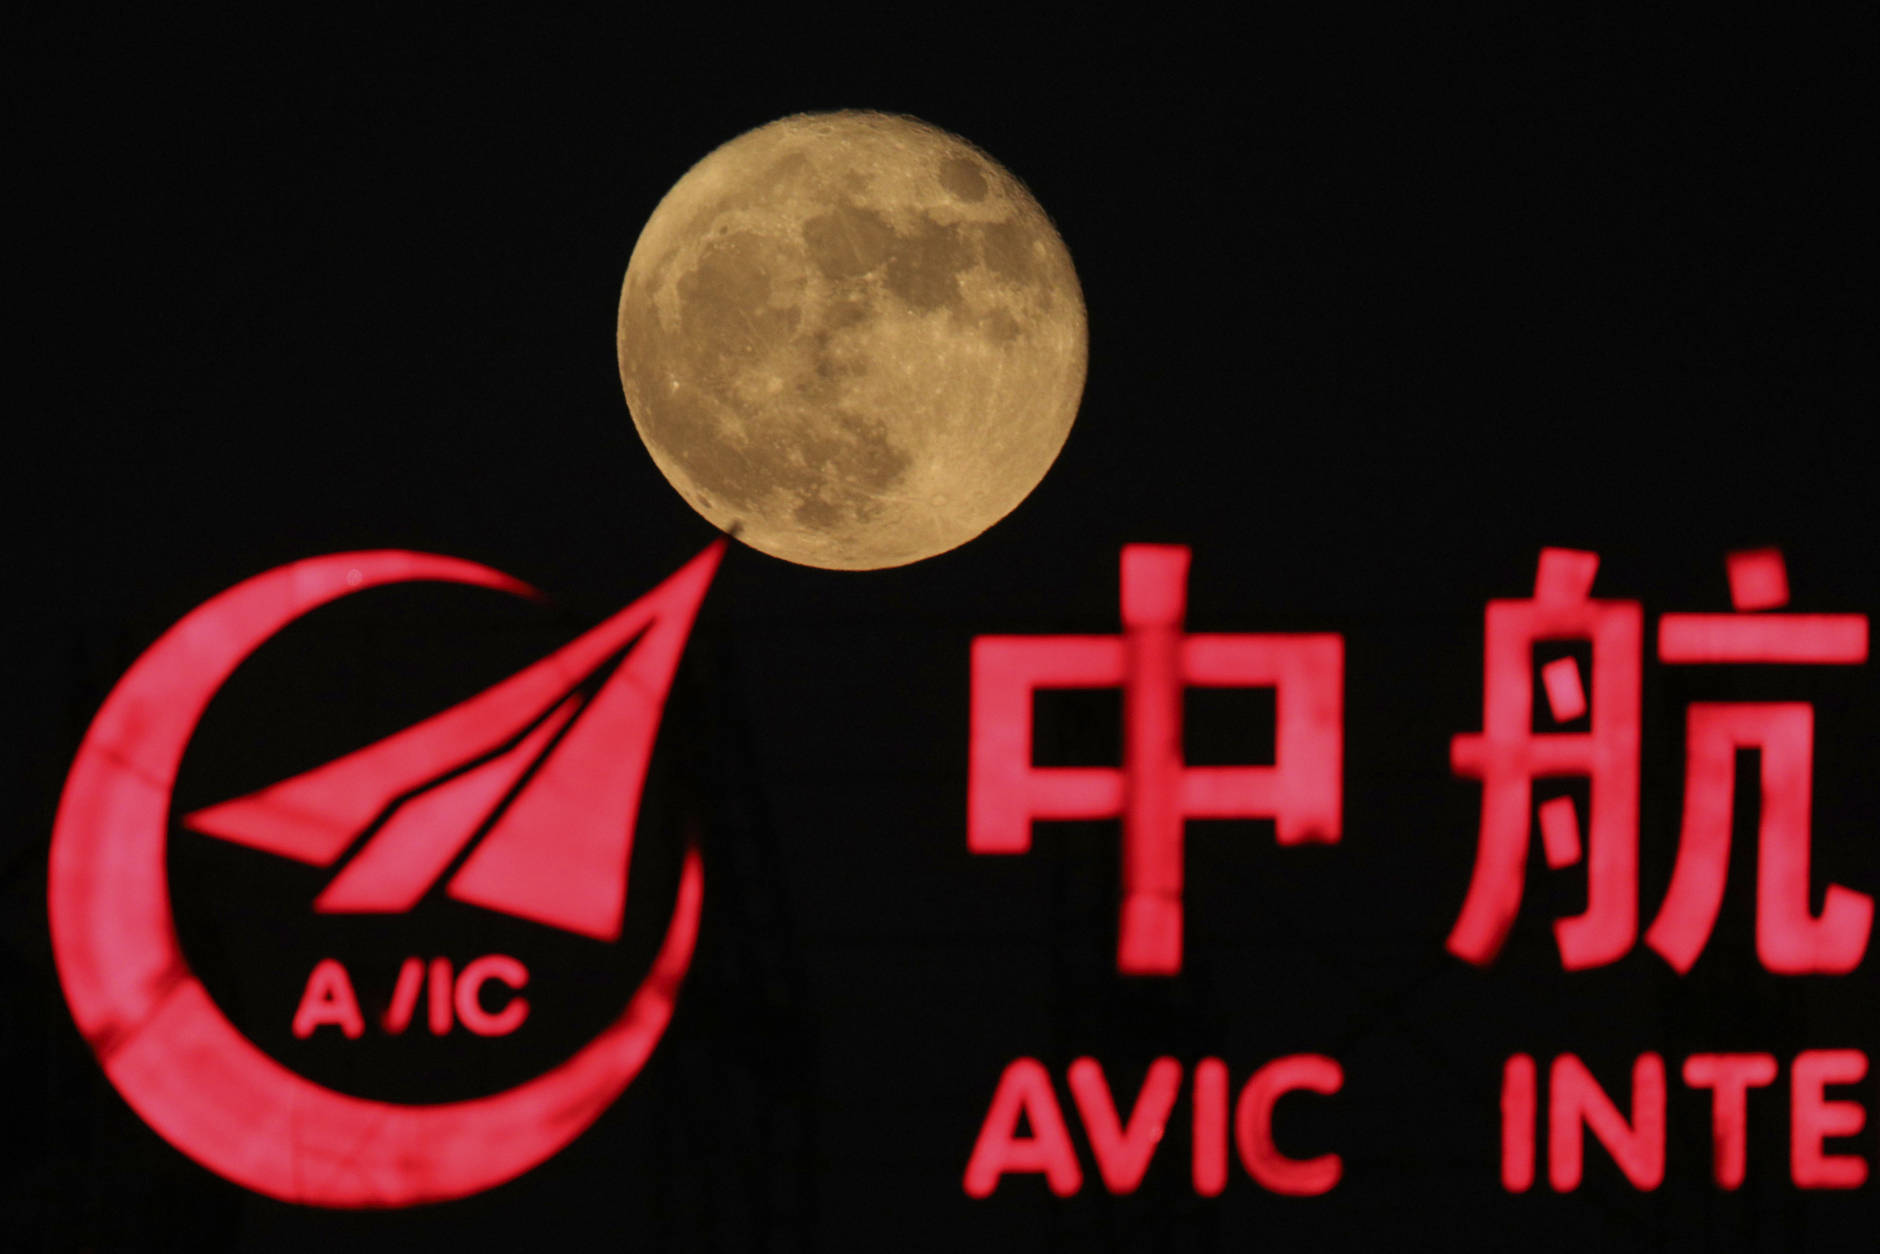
x: 1376, y: 312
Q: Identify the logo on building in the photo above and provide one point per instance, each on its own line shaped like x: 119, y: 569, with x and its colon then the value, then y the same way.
x: 522, y: 800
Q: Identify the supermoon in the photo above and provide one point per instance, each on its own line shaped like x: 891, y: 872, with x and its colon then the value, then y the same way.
x: 852, y: 340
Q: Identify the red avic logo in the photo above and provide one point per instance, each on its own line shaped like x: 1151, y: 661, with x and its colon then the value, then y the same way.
x: 547, y: 766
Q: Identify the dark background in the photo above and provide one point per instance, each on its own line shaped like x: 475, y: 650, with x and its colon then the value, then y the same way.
x: 1376, y: 311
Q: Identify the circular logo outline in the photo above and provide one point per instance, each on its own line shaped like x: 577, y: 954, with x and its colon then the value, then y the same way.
x: 164, y: 1044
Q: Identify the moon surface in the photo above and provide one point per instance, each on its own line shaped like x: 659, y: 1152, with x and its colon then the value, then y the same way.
x: 851, y: 339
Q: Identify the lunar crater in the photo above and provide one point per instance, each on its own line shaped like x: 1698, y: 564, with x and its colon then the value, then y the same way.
x: 853, y: 337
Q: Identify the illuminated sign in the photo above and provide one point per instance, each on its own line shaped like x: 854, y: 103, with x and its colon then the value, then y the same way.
x: 547, y: 766
x: 1594, y: 735
x: 1153, y: 662
x: 1508, y: 757
x: 523, y: 800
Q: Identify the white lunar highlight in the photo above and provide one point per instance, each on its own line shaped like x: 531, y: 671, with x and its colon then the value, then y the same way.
x: 851, y: 339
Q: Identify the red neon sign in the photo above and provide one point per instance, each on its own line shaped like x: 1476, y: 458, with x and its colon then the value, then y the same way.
x: 1577, y: 1105
x: 1508, y: 757
x: 1123, y: 1150
x: 1596, y: 732
x: 558, y: 852
x: 172, y: 1053
x: 1155, y: 791
x: 329, y: 998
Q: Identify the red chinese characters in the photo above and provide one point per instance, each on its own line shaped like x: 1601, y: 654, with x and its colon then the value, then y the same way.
x: 1508, y: 756
x: 1155, y: 791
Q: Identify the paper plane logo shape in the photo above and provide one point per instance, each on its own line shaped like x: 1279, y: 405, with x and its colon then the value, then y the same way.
x: 546, y: 766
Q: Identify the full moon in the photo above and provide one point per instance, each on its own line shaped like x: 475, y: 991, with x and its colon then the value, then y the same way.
x: 851, y: 339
